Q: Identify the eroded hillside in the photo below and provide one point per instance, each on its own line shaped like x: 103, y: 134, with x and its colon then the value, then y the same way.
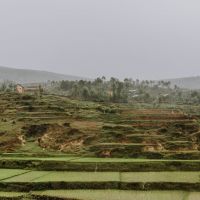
x: 58, y: 124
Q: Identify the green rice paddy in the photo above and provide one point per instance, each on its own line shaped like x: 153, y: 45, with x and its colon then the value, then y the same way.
x: 119, y: 195
x: 86, y: 159
x: 101, y: 195
x: 11, y: 195
x: 5, y: 173
x: 97, y: 155
x: 13, y: 175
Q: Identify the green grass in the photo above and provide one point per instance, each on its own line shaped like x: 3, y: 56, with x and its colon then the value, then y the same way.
x: 27, y: 177
x: 52, y: 176
x: 6, y: 173
x: 31, y: 147
x: 63, y: 163
x: 8, y: 126
x: 119, y: 195
x: 48, y: 176
x: 47, y: 154
x: 121, y: 144
x: 186, y: 177
x: 127, y: 160
x: 69, y: 158
x: 60, y: 158
x: 11, y: 194
x: 80, y: 177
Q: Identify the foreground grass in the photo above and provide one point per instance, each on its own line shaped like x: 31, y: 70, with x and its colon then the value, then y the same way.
x: 12, y: 175
x: 4, y: 173
x: 117, y: 195
x: 86, y: 159
x: 11, y: 194
x: 101, y: 195
x: 74, y: 163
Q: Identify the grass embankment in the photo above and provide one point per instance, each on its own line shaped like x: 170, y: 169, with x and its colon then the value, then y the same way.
x: 114, y: 195
x: 12, y: 195
x: 73, y: 163
x: 41, y: 180
x: 99, y: 195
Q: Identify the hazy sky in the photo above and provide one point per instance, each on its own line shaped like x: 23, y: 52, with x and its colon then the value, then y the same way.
x: 147, y: 39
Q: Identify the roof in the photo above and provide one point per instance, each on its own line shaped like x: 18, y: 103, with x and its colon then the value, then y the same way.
x: 29, y: 87
x: 132, y: 90
x: 20, y: 85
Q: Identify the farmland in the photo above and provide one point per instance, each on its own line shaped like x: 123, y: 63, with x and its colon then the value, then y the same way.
x: 59, y: 125
x: 53, y: 147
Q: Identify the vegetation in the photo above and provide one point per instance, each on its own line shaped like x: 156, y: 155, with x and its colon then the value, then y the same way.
x: 101, y: 180
x: 58, y: 124
x: 116, y: 91
x: 115, y: 194
x: 99, y: 195
x: 131, y: 135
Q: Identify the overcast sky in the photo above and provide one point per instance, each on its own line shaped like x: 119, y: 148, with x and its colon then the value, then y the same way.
x: 146, y: 39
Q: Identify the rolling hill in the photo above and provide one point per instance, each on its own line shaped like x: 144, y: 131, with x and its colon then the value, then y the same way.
x: 37, y: 76
x: 32, y: 76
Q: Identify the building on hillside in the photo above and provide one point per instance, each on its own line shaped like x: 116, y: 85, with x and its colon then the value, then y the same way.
x: 28, y: 89
x: 110, y: 93
x: 19, y: 89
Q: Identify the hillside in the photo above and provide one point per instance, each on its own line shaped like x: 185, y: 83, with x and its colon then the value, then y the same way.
x: 57, y: 124
x: 187, y: 82
x: 32, y: 76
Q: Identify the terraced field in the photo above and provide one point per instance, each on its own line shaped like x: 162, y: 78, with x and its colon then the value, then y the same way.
x: 117, y: 195
x: 58, y: 124
x: 30, y: 176
x: 82, y: 185
x: 100, y: 194
x: 57, y: 148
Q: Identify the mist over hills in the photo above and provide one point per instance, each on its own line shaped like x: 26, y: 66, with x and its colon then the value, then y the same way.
x: 37, y: 76
x: 186, y: 82
x: 32, y: 76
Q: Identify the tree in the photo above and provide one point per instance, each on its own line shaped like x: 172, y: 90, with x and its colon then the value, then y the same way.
x: 75, y: 90
x: 85, y: 93
x: 3, y: 87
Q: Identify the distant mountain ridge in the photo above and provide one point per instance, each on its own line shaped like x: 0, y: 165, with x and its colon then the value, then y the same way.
x: 186, y: 82
x: 32, y: 76
x: 36, y: 76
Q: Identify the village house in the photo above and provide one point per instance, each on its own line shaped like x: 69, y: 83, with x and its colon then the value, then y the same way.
x: 30, y: 89
x: 19, y: 89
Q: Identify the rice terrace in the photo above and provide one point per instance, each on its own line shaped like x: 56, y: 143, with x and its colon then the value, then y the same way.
x: 99, y: 100
x: 56, y: 147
